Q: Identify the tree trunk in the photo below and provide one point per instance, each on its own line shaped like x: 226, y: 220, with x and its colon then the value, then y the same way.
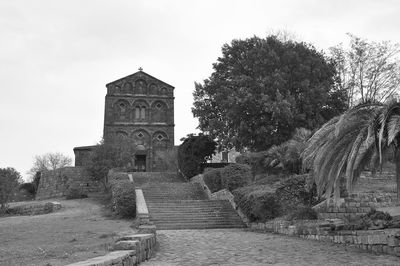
x: 397, y: 161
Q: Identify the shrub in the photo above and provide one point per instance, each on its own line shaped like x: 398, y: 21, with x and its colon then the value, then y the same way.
x: 29, y: 187
x: 296, y: 191
x: 212, y: 178
x: 123, y: 198
x: 75, y: 193
x: 265, y: 208
x: 303, y: 213
x: 234, y: 176
x: 255, y: 160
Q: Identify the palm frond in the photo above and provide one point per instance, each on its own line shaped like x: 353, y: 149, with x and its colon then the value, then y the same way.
x: 393, y: 127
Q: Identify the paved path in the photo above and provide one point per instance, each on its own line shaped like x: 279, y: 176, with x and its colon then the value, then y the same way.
x: 240, y: 247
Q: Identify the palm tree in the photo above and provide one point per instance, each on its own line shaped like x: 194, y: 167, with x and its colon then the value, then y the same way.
x: 346, y: 144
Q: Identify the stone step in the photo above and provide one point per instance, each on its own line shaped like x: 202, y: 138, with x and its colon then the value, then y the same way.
x: 196, y: 226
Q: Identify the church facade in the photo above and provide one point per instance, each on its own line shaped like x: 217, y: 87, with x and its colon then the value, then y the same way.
x: 139, y: 107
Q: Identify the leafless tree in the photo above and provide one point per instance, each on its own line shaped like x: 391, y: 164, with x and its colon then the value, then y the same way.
x: 49, y: 161
x: 368, y: 71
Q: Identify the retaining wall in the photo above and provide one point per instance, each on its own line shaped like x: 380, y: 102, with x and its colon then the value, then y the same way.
x: 378, y: 241
x: 355, y: 205
x: 35, y: 208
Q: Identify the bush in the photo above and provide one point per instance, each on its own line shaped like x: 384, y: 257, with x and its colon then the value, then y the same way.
x: 75, y: 193
x: 234, y: 176
x: 29, y: 187
x: 212, y: 178
x: 265, y: 208
x: 296, y: 191
x: 123, y: 198
x: 255, y: 160
x: 9, y: 182
x: 303, y: 213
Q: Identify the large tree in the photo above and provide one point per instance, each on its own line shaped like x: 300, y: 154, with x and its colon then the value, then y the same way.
x: 346, y: 144
x: 368, y: 71
x: 262, y: 89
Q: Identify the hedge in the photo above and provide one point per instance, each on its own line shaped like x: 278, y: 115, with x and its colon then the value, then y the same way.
x: 123, y: 198
x: 234, y: 176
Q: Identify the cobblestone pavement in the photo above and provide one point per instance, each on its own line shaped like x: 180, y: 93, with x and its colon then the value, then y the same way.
x: 240, y: 247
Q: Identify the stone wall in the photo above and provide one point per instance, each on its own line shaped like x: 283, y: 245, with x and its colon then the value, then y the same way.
x: 34, y: 208
x: 129, y: 250
x: 378, y: 241
x: 56, y: 182
x: 355, y: 205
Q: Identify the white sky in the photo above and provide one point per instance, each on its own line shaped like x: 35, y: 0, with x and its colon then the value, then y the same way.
x: 57, y: 55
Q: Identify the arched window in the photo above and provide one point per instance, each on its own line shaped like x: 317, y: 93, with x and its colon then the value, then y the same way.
x: 140, y: 112
x: 137, y: 112
x: 143, y: 112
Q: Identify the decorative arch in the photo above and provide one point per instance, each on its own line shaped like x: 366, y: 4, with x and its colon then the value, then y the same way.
x: 141, y: 137
x: 153, y: 89
x: 140, y: 110
x: 126, y: 87
x: 160, y: 140
x: 140, y: 86
x: 159, y: 111
x: 122, y: 110
x: 163, y: 91
x: 121, y: 134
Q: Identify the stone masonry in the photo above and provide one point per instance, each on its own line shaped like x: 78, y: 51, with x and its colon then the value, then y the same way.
x: 140, y: 108
x: 56, y: 182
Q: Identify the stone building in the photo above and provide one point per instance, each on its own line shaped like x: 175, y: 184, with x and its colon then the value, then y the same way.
x: 139, y: 107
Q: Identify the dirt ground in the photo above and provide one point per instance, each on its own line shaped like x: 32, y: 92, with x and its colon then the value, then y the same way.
x: 81, y: 229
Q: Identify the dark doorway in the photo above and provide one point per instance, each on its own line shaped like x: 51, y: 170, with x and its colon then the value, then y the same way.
x: 140, y: 163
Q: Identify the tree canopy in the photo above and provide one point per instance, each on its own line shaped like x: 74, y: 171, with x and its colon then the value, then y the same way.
x: 343, y: 146
x: 193, y: 151
x: 262, y: 89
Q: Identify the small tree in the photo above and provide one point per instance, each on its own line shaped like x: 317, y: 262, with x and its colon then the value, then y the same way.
x: 107, y: 155
x: 9, y: 183
x: 193, y: 151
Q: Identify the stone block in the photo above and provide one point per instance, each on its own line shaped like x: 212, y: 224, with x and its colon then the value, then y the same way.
x: 147, y: 229
x: 126, y: 245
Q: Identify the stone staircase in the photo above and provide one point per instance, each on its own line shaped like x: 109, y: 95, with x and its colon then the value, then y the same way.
x: 176, y: 204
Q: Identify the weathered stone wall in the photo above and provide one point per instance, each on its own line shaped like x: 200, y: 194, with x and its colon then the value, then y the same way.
x: 35, y: 208
x: 378, y: 241
x: 56, y: 182
x: 129, y: 250
x: 355, y: 205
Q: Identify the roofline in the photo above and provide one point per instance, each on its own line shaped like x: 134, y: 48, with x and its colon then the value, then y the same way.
x: 143, y: 73
x: 85, y: 147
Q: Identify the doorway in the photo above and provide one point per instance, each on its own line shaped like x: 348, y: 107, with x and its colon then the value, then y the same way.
x: 140, y: 163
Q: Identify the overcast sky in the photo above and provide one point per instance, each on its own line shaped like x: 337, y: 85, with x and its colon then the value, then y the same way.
x: 57, y: 55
